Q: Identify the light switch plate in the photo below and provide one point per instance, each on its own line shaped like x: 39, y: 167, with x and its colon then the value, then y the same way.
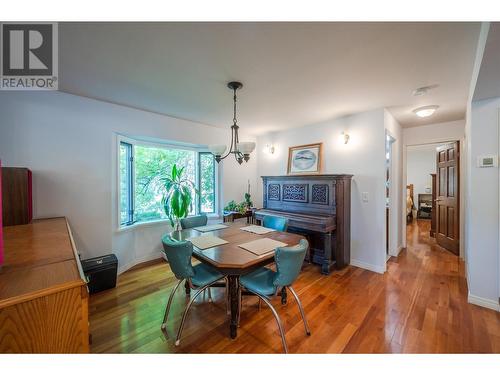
x: 364, y: 196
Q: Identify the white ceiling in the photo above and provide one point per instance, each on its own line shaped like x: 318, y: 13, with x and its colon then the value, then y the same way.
x: 294, y: 74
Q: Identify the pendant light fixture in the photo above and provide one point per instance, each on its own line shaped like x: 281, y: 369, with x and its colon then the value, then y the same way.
x: 240, y: 150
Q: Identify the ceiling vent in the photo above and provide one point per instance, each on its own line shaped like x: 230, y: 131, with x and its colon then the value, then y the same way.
x: 423, y: 90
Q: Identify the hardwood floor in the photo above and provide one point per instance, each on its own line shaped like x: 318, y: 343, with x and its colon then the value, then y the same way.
x: 418, y: 306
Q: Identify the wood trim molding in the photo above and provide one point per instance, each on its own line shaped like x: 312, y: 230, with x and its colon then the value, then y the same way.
x: 368, y: 266
x: 40, y: 293
x: 139, y: 261
x: 483, y: 302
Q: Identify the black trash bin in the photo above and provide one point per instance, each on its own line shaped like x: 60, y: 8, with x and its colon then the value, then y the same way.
x: 100, y: 272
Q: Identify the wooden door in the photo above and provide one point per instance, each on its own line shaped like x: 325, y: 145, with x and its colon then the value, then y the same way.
x: 447, y: 196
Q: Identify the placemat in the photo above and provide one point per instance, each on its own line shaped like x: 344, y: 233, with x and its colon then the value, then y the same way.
x: 209, y: 228
x: 257, y: 229
x: 262, y: 246
x: 207, y: 241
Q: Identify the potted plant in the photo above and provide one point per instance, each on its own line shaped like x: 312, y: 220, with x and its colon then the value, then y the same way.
x: 248, y: 200
x: 178, y: 197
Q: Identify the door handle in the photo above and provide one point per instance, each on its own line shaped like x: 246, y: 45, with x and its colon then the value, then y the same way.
x: 437, y: 200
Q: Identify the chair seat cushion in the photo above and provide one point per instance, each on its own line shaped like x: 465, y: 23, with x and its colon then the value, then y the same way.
x: 260, y: 281
x: 204, y: 274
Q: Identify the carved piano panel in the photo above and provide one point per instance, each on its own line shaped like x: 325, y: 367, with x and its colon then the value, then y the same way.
x: 308, y: 194
x: 317, y: 206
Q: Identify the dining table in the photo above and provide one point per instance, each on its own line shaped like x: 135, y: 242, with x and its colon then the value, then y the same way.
x: 232, y: 260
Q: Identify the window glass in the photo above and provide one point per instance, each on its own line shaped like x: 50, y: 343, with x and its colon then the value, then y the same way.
x: 151, y: 163
x: 207, y: 182
x: 142, y: 168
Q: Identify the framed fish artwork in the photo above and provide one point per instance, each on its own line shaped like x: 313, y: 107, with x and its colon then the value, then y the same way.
x: 305, y: 159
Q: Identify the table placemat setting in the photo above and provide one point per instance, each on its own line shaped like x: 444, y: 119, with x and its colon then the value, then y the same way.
x: 209, y: 228
x: 206, y: 241
x: 262, y: 246
x: 257, y: 229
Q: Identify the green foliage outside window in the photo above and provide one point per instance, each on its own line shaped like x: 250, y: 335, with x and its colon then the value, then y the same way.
x: 143, y: 170
x: 151, y: 165
x: 207, y: 182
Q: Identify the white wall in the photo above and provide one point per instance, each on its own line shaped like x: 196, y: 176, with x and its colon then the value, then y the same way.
x: 69, y: 142
x: 363, y: 156
x: 434, y: 133
x: 438, y: 133
x: 396, y: 192
x: 481, y: 125
x: 420, y: 163
x: 483, y: 259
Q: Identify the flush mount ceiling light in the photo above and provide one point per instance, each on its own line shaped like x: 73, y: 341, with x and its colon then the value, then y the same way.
x: 425, y: 111
x: 240, y: 150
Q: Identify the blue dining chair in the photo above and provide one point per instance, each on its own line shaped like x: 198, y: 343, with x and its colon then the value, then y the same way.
x: 194, y: 221
x: 199, y: 277
x: 265, y: 283
x: 275, y: 222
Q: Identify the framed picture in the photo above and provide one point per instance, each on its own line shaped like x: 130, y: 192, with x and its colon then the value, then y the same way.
x: 305, y: 159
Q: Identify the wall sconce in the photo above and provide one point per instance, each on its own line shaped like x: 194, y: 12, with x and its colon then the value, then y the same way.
x: 270, y: 148
x: 346, y: 137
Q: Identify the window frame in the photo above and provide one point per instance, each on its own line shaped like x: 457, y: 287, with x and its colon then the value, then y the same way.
x: 130, y: 184
x: 165, y: 145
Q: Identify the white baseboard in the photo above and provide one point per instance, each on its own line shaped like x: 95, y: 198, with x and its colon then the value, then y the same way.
x: 400, y: 249
x: 396, y: 253
x: 367, y: 266
x: 147, y: 258
x: 484, y: 302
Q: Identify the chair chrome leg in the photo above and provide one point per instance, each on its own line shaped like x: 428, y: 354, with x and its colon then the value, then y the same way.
x: 167, y: 310
x: 278, y: 320
x: 209, y: 295
x: 306, y: 326
x: 186, y: 310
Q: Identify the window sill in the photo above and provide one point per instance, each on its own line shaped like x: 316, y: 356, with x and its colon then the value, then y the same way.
x: 155, y: 223
x: 144, y: 224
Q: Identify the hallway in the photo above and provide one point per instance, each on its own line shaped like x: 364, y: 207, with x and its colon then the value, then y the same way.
x: 418, y: 306
x: 439, y: 319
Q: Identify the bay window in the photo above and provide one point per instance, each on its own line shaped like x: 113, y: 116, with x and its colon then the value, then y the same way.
x: 141, y: 168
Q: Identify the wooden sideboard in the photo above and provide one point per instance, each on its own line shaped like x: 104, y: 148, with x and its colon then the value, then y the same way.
x: 43, y: 293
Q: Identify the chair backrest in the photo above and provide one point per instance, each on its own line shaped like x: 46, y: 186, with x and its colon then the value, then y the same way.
x: 194, y: 221
x: 289, y: 263
x: 275, y: 222
x: 179, y: 256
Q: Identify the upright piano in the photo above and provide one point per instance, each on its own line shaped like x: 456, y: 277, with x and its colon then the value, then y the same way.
x: 317, y: 206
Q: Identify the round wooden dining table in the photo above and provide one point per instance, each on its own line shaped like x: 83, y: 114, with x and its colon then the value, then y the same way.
x: 234, y: 261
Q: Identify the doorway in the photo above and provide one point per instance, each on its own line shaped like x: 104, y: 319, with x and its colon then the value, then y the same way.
x: 432, y: 191
x: 389, y: 144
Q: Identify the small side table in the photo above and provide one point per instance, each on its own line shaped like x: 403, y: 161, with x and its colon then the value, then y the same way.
x: 230, y: 216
